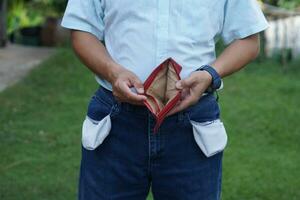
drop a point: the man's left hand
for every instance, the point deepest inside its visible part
(192, 89)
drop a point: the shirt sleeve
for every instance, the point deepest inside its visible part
(85, 15)
(242, 18)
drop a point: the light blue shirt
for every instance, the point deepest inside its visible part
(141, 34)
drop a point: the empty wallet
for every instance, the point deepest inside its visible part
(160, 90)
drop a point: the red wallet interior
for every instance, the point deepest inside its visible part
(161, 91)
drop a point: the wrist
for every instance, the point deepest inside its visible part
(206, 77)
(216, 80)
(114, 70)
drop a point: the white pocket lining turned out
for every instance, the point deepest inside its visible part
(210, 136)
(94, 132)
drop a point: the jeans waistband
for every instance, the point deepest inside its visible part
(107, 95)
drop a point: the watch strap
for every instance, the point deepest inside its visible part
(216, 79)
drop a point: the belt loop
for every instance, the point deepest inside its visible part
(107, 94)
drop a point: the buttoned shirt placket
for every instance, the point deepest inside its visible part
(162, 33)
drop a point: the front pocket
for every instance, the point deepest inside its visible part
(207, 109)
(210, 136)
(98, 121)
(94, 132)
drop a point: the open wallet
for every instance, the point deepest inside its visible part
(160, 90)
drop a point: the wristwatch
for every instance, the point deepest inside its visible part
(216, 79)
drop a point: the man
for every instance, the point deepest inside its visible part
(138, 36)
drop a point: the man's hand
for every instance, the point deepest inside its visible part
(233, 58)
(95, 56)
(122, 84)
(192, 89)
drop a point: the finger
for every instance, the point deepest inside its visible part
(122, 99)
(185, 83)
(138, 85)
(171, 112)
(184, 93)
(185, 103)
(138, 103)
(129, 95)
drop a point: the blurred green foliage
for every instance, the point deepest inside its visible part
(48, 7)
(24, 13)
(289, 4)
(21, 16)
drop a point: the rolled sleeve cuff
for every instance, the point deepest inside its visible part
(82, 27)
(251, 30)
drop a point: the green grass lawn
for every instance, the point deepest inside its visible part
(41, 117)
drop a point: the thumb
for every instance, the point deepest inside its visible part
(138, 85)
(185, 83)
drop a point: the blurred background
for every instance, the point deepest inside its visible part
(44, 91)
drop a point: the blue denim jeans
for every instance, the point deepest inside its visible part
(132, 158)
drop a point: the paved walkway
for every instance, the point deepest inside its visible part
(16, 61)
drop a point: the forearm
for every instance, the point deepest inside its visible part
(94, 55)
(237, 55)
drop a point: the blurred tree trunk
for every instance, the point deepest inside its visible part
(3, 7)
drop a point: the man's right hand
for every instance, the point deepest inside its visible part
(95, 56)
(122, 83)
